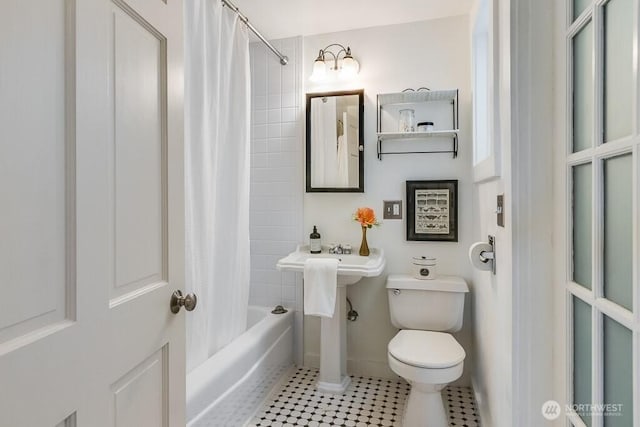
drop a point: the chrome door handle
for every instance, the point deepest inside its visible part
(189, 301)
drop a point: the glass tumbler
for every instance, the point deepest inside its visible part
(407, 121)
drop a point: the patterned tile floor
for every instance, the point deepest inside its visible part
(367, 402)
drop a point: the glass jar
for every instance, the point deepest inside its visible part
(407, 120)
(425, 127)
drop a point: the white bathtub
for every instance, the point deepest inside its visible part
(228, 388)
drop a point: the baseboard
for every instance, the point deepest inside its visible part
(365, 368)
(484, 417)
(371, 368)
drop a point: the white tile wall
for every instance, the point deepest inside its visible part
(277, 182)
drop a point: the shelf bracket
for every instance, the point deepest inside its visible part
(455, 146)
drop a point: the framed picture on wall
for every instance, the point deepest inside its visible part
(432, 210)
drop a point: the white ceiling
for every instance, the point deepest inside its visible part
(277, 19)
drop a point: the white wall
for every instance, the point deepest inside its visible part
(513, 310)
(491, 299)
(429, 53)
(491, 306)
(276, 173)
(532, 94)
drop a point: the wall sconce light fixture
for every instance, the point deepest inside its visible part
(346, 66)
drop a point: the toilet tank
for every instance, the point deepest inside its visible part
(429, 305)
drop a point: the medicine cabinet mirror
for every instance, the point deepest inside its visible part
(335, 142)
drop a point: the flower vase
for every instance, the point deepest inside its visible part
(364, 247)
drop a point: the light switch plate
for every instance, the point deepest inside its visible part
(392, 209)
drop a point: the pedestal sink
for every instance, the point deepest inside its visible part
(333, 336)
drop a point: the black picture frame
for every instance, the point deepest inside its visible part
(429, 218)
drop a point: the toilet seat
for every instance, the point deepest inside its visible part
(426, 349)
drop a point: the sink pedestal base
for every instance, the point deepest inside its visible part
(333, 376)
(334, 388)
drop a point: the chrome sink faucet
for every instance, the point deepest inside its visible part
(336, 249)
(339, 249)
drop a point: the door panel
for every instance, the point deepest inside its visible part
(582, 355)
(145, 212)
(618, 221)
(91, 179)
(617, 364)
(139, 70)
(140, 397)
(583, 88)
(581, 219)
(618, 69)
(34, 229)
(579, 6)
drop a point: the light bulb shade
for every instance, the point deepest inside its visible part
(349, 67)
(319, 70)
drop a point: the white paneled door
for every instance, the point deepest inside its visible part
(91, 213)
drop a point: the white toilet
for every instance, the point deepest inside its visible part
(423, 352)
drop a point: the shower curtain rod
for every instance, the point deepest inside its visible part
(283, 59)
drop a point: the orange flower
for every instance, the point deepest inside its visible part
(366, 217)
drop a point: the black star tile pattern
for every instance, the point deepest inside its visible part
(368, 402)
(461, 406)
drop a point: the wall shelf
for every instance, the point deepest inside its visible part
(433, 106)
(418, 135)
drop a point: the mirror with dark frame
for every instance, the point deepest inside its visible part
(335, 142)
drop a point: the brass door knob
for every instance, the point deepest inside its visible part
(189, 301)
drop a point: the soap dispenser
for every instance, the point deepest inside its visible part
(315, 245)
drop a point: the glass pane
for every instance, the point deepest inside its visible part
(582, 225)
(579, 6)
(618, 226)
(618, 68)
(583, 88)
(618, 375)
(582, 356)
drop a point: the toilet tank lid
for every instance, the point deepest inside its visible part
(440, 283)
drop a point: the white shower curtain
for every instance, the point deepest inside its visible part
(217, 153)
(342, 177)
(325, 140)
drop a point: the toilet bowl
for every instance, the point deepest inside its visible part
(422, 352)
(428, 361)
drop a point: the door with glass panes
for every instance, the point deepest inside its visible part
(601, 165)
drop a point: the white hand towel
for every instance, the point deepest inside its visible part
(320, 283)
